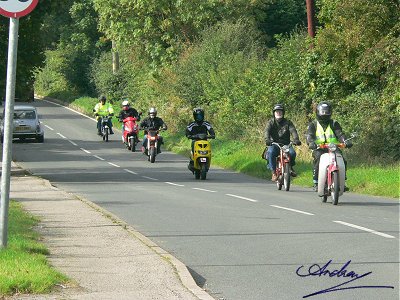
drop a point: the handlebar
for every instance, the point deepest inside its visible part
(282, 145)
(201, 136)
(327, 146)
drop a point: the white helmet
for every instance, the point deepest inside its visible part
(152, 112)
(125, 103)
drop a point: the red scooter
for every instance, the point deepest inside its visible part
(130, 133)
(283, 167)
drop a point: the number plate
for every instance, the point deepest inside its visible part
(21, 128)
(203, 159)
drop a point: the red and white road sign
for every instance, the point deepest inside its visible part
(17, 8)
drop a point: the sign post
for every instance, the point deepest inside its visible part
(13, 9)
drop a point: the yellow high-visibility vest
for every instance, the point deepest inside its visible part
(327, 136)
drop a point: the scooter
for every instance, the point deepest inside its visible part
(105, 129)
(283, 167)
(201, 156)
(332, 172)
(130, 133)
(153, 139)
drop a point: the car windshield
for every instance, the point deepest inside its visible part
(25, 114)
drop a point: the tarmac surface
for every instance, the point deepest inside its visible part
(104, 257)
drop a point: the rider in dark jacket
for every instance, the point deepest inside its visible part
(155, 123)
(324, 130)
(197, 127)
(278, 130)
(127, 111)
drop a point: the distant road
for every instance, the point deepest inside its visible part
(239, 236)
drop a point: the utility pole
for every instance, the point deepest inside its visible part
(310, 18)
(115, 58)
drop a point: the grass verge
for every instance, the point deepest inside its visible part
(23, 264)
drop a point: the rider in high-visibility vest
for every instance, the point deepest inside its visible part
(103, 109)
(324, 130)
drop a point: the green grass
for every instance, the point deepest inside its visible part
(378, 180)
(23, 263)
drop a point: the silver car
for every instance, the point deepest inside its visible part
(26, 124)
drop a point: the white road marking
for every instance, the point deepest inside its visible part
(240, 197)
(49, 127)
(199, 189)
(129, 171)
(366, 229)
(98, 157)
(151, 178)
(61, 135)
(295, 210)
(171, 183)
(114, 165)
(84, 150)
(73, 143)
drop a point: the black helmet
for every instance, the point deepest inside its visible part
(198, 114)
(323, 111)
(102, 98)
(279, 106)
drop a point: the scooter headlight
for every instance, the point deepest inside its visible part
(203, 152)
(332, 147)
(285, 149)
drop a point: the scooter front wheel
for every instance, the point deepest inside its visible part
(286, 177)
(203, 172)
(335, 188)
(152, 154)
(132, 144)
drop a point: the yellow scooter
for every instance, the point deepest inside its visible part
(201, 156)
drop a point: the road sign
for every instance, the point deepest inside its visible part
(17, 8)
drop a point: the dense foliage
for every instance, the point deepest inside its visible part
(236, 59)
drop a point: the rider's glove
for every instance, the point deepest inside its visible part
(268, 142)
(297, 142)
(348, 144)
(312, 145)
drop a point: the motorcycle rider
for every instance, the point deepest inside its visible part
(197, 127)
(155, 123)
(324, 130)
(127, 111)
(103, 109)
(278, 130)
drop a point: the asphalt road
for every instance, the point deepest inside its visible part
(239, 236)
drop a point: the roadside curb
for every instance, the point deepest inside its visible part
(181, 269)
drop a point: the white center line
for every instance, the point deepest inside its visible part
(240, 197)
(49, 127)
(98, 157)
(114, 165)
(291, 209)
(61, 135)
(84, 150)
(365, 229)
(199, 189)
(151, 178)
(171, 183)
(73, 143)
(129, 171)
